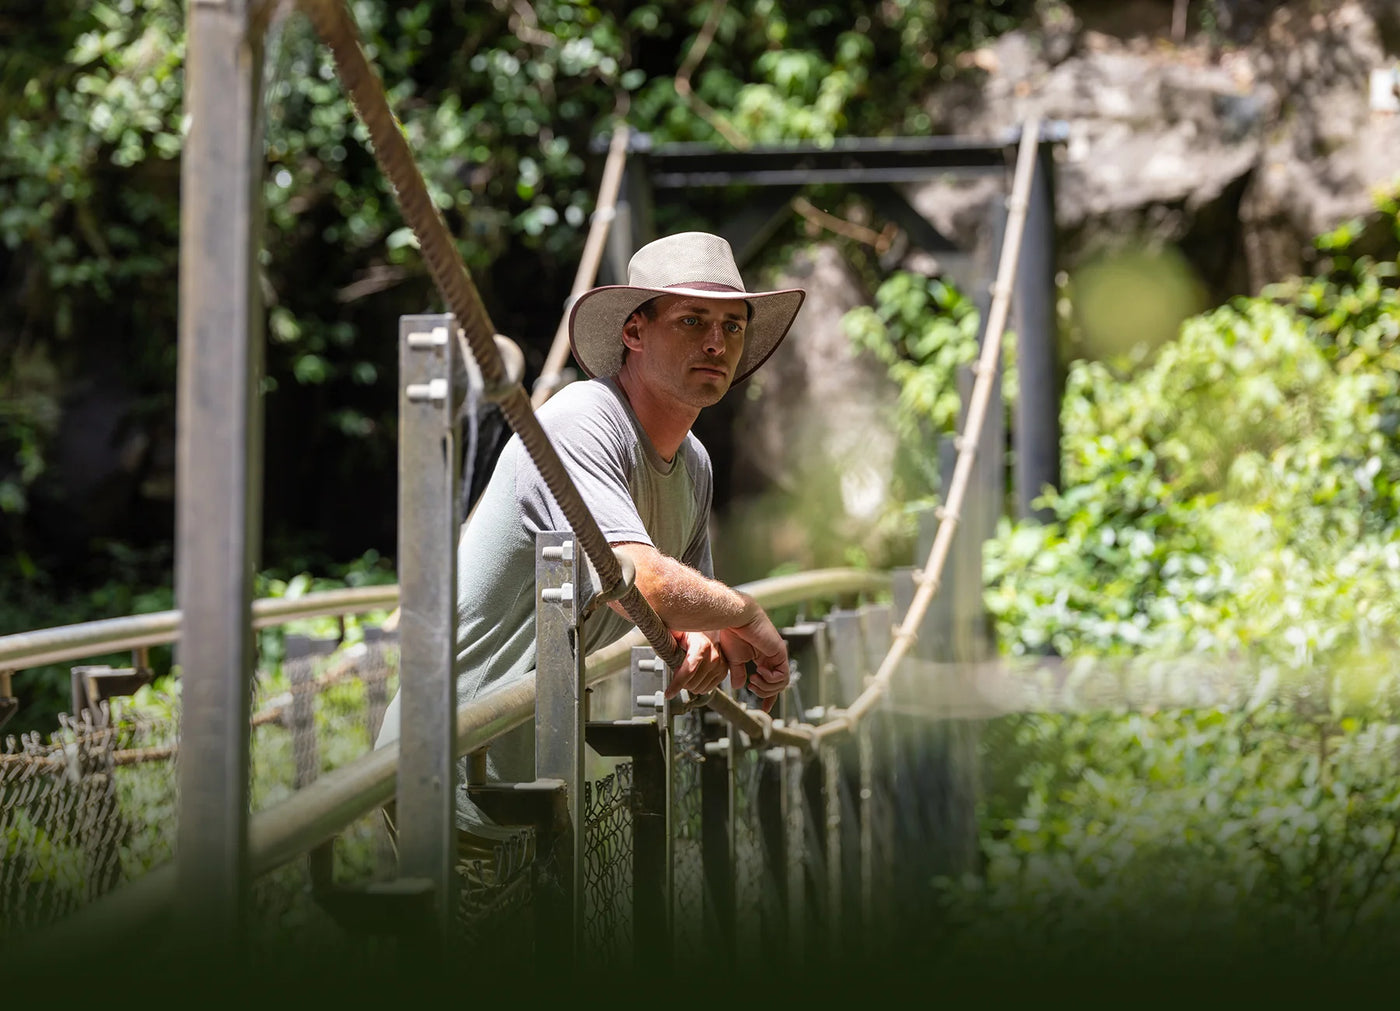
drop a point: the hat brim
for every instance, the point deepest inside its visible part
(595, 323)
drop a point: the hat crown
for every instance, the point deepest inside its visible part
(683, 260)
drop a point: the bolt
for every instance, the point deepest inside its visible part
(433, 390)
(562, 595)
(561, 552)
(426, 341)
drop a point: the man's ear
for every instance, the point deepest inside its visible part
(631, 333)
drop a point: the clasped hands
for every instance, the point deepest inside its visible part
(711, 656)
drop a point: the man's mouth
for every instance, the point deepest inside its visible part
(713, 369)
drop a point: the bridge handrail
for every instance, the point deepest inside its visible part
(930, 577)
(23, 650)
(325, 807)
(335, 24)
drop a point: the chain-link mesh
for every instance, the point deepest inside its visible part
(91, 807)
(847, 842)
(496, 899)
(757, 897)
(607, 864)
(317, 713)
(688, 872)
(96, 805)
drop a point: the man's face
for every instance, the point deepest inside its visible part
(690, 348)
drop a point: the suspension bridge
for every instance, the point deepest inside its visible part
(654, 827)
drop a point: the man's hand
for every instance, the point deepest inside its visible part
(757, 641)
(704, 667)
(687, 601)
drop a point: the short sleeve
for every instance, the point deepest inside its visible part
(697, 553)
(597, 457)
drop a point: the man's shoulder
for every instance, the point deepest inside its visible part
(586, 406)
(588, 417)
(695, 452)
(579, 396)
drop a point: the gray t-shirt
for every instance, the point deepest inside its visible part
(632, 493)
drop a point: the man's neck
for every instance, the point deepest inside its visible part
(665, 422)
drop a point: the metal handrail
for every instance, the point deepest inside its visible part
(40, 647)
(317, 812)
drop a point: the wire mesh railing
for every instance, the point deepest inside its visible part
(609, 852)
(799, 816)
(95, 806)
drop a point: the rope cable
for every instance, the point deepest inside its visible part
(930, 577)
(335, 25)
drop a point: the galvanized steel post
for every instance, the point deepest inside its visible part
(653, 813)
(218, 466)
(876, 636)
(560, 700)
(717, 833)
(854, 911)
(1037, 428)
(428, 461)
(808, 652)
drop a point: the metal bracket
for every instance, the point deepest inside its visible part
(428, 520)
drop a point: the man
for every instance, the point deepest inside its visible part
(657, 350)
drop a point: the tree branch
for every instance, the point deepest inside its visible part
(688, 66)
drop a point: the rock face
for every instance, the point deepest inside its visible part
(1236, 145)
(1239, 145)
(810, 428)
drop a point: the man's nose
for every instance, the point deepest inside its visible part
(715, 339)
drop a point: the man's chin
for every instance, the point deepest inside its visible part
(712, 390)
(713, 395)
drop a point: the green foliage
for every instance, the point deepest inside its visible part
(370, 569)
(1232, 500)
(88, 213)
(500, 103)
(925, 331)
(1205, 835)
(817, 72)
(1237, 493)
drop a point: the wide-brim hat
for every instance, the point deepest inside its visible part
(687, 263)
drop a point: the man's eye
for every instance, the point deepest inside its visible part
(690, 320)
(735, 327)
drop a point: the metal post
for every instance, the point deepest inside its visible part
(809, 653)
(633, 227)
(876, 635)
(653, 826)
(9, 705)
(799, 854)
(772, 804)
(830, 887)
(851, 874)
(559, 699)
(1037, 429)
(991, 453)
(869, 816)
(428, 461)
(717, 833)
(218, 467)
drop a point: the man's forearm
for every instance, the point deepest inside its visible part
(685, 600)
